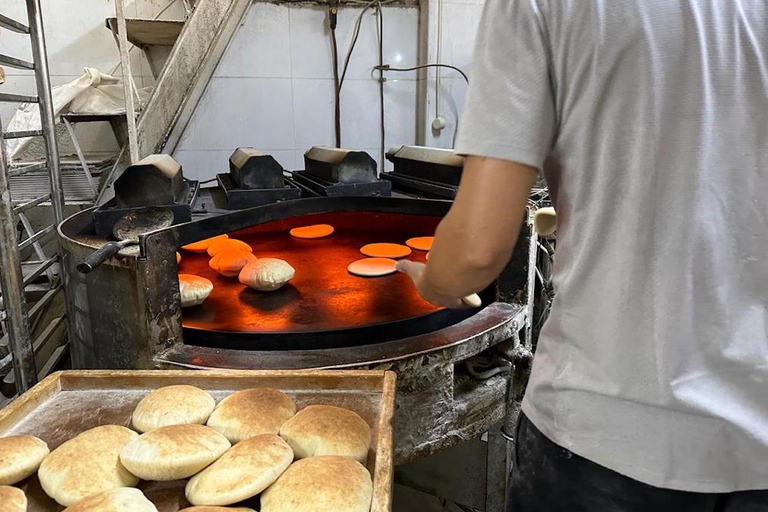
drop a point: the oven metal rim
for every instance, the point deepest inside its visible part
(494, 324)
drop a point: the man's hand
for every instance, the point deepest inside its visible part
(415, 271)
(475, 240)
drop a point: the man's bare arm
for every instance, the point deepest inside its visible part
(476, 238)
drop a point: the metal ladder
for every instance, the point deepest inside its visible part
(14, 280)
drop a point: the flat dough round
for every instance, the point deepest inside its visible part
(216, 509)
(242, 472)
(320, 484)
(20, 456)
(203, 245)
(124, 499)
(12, 499)
(87, 464)
(250, 412)
(373, 267)
(172, 405)
(230, 243)
(174, 452)
(327, 430)
(316, 231)
(420, 243)
(193, 290)
(394, 251)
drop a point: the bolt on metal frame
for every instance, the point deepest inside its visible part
(12, 279)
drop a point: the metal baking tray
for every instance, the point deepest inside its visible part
(67, 403)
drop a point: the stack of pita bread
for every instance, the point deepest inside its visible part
(243, 447)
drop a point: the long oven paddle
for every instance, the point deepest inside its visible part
(126, 232)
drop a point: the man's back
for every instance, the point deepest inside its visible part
(653, 119)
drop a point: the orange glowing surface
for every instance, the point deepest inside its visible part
(372, 267)
(393, 251)
(228, 244)
(203, 245)
(323, 295)
(316, 231)
(420, 243)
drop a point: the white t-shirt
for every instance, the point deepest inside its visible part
(652, 116)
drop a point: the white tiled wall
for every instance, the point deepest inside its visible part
(77, 37)
(273, 88)
(460, 23)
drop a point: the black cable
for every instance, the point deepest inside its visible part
(355, 35)
(389, 68)
(381, 82)
(333, 18)
(208, 181)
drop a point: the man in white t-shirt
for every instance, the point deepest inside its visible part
(649, 119)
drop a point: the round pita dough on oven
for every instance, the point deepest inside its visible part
(20, 456)
(124, 499)
(223, 245)
(87, 464)
(193, 290)
(320, 484)
(394, 251)
(12, 499)
(172, 405)
(250, 412)
(327, 430)
(203, 245)
(420, 243)
(174, 452)
(309, 232)
(230, 262)
(267, 274)
(244, 471)
(216, 509)
(372, 267)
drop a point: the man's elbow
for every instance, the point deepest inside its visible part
(486, 260)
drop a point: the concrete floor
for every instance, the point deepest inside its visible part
(410, 500)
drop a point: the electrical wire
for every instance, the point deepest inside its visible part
(423, 66)
(332, 17)
(380, 14)
(439, 55)
(353, 41)
(356, 32)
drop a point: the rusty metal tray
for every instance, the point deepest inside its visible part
(67, 403)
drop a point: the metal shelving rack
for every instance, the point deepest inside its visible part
(14, 313)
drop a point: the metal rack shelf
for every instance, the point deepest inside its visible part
(19, 277)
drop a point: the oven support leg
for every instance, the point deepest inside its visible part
(519, 354)
(497, 463)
